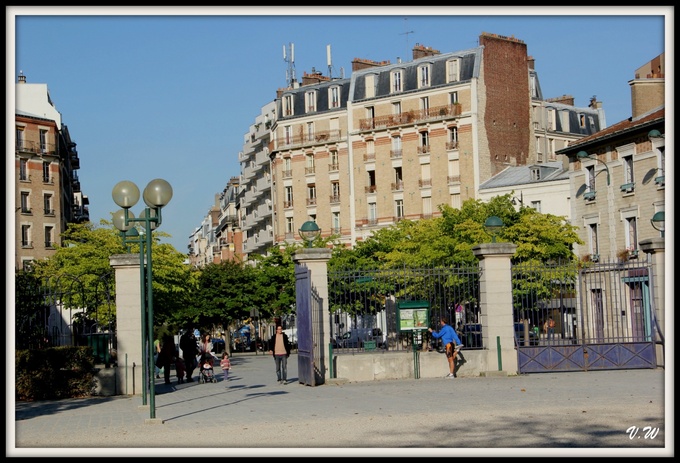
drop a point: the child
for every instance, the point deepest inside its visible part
(225, 363)
(180, 368)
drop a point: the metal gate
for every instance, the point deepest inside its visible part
(603, 316)
(303, 292)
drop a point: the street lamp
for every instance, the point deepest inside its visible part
(157, 194)
(493, 225)
(659, 222)
(515, 199)
(584, 155)
(309, 231)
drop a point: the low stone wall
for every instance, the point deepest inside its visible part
(401, 365)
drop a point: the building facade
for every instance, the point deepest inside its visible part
(618, 175)
(47, 187)
(395, 141)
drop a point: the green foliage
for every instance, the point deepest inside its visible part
(30, 311)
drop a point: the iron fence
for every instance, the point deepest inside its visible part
(364, 306)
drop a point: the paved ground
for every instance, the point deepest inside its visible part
(253, 415)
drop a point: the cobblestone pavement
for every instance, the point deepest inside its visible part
(604, 412)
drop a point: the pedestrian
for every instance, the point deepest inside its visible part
(279, 347)
(187, 342)
(225, 364)
(549, 328)
(167, 356)
(206, 349)
(451, 343)
(156, 351)
(180, 368)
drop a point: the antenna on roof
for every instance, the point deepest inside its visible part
(329, 62)
(406, 34)
(290, 59)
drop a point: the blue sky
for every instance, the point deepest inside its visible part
(162, 92)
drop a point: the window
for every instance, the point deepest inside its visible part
(47, 200)
(452, 71)
(661, 165)
(290, 226)
(396, 108)
(20, 138)
(288, 195)
(533, 87)
(424, 75)
(335, 163)
(43, 141)
(23, 169)
(310, 100)
(309, 163)
(424, 142)
(46, 172)
(398, 179)
(335, 191)
(628, 169)
(311, 194)
(631, 233)
(399, 209)
(590, 175)
(48, 237)
(288, 135)
(310, 131)
(425, 176)
(425, 104)
(581, 120)
(287, 170)
(288, 105)
(427, 207)
(370, 85)
(453, 98)
(371, 181)
(335, 97)
(395, 152)
(26, 236)
(536, 205)
(25, 206)
(453, 138)
(372, 213)
(551, 119)
(370, 149)
(396, 81)
(335, 220)
(592, 238)
(535, 174)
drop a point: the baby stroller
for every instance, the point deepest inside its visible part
(207, 375)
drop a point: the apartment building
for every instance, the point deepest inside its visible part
(254, 201)
(618, 174)
(47, 188)
(395, 141)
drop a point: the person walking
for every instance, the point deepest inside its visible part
(451, 343)
(187, 342)
(156, 352)
(549, 328)
(225, 364)
(167, 355)
(279, 347)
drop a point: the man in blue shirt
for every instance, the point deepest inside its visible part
(452, 343)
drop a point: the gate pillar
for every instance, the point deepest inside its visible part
(656, 248)
(129, 379)
(495, 303)
(316, 261)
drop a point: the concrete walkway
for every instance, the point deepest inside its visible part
(541, 414)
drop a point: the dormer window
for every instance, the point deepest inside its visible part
(396, 81)
(424, 76)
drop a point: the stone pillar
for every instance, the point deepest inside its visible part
(129, 372)
(316, 260)
(656, 248)
(496, 315)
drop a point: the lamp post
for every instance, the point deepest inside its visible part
(157, 194)
(493, 225)
(309, 231)
(659, 222)
(584, 155)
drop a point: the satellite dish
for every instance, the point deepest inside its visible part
(581, 190)
(649, 176)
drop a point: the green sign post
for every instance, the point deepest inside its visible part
(414, 316)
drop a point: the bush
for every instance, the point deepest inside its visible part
(54, 373)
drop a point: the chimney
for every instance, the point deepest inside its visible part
(421, 51)
(531, 62)
(358, 64)
(22, 77)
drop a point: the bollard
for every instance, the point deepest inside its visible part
(500, 357)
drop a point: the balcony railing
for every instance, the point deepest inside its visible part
(397, 186)
(335, 198)
(425, 183)
(451, 179)
(311, 201)
(333, 167)
(287, 204)
(395, 154)
(325, 136)
(369, 157)
(370, 189)
(410, 117)
(451, 145)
